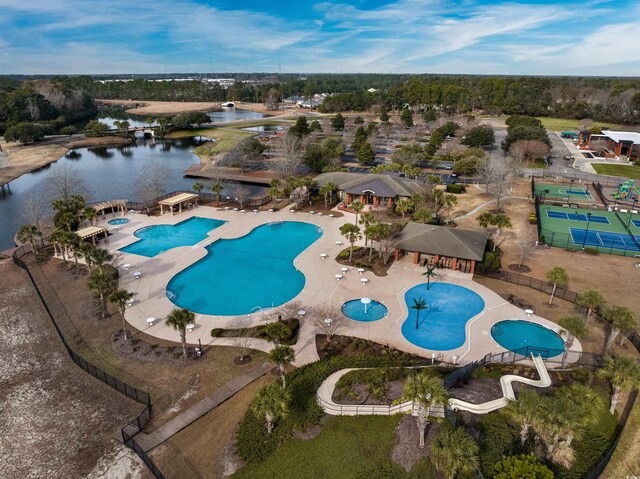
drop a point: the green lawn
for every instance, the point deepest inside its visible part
(568, 124)
(625, 461)
(347, 448)
(626, 171)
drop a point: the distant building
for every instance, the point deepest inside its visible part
(372, 90)
(616, 143)
(371, 189)
(294, 100)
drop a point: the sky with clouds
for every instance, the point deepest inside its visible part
(539, 37)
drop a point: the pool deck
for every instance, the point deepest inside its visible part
(150, 300)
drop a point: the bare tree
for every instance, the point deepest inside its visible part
(499, 176)
(64, 182)
(244, 153)
(527, 151)
(288, 310)
(288, 155)
(33, 212)
(387, 247)
(272, 99)
(523, 249)
(328, 319)
(244, 339)
(153, 182)
(241, 193)
(599, 145)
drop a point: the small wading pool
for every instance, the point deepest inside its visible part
(118, 221)
(355, 309)
(527, 337)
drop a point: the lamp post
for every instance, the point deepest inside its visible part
(631, 212)
(569, 190)
(587, 230)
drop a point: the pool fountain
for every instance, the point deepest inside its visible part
(365, 309)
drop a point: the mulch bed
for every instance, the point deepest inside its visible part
(361, 259)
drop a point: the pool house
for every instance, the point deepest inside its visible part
(376, 190)
(450, 248)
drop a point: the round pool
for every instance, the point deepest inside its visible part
(118, 221)
(526, 337)
(355, 310)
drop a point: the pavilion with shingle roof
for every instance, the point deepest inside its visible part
(451, 248)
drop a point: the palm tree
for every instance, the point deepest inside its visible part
(498, 220)
(28, 234)
(282, 355)
(424, 391)
(525, 411)
(272, 403)
(352, 233)
(590, 299)
(327, 192)
(198, 187)
(120, 297)
(449, 201)
(100, 257)
(86, 250)
(430, 273)
(621, 319)
(622, 372)
(366, 221)
(57, 238)
(419, 304)
(558, 276)
(178, 319)
(455, 453)
(276, 332)
(357, 207)
(404, 206)
(217, 188)
(274, 190)
(101, 285)
(572, 327)
(372, 232)
(89, 213)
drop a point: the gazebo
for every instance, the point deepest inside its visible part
(91, 232)
(119, 205)
(179, 199)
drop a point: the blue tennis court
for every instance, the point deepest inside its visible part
(561, 215)
(586, 194)
(604, 239)
(636, 223)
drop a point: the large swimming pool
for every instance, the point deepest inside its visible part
(242, 275)
(441, 326)
(159, 238)
(527, 337)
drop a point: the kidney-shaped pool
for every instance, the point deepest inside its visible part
(242, 275)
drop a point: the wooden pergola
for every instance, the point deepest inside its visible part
(91, 232)
(179, 199)
(120, 205)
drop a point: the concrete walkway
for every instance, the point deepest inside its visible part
(164, 432)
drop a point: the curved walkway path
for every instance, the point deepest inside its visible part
(324, 396)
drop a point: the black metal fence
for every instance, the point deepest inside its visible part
(577, 176)
(59, 318)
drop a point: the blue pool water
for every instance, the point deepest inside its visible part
(515, 335)
(158, 238)
(242, 275)
(118, 221)
(442, 325)
(355, 310)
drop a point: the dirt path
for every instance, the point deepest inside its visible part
(57, 421)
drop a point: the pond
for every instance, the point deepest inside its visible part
(112, 173)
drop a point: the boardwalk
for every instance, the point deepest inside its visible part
(230, 174)
(164, 432)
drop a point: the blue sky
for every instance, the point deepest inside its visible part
(413, 36)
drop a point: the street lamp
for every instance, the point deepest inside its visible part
(631, 212)
(587, 230)
(569, 190)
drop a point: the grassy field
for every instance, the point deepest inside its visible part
(347, 448)
(626, 171)
(568, 124)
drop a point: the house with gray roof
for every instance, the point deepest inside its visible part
(371, 189)
(452, 248)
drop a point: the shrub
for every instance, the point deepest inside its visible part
(533, 220)
(583, 376)
(498, 439)
(516, 467)
(456, 189)
(590, 250)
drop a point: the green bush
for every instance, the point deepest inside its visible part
(490, 261)
(518, 467)
(583, 376)
(344, 254)
(292, 325)
(590, 250)
(498, 438)
(457, 189)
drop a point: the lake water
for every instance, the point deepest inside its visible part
(228, 115)
(108, 174)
